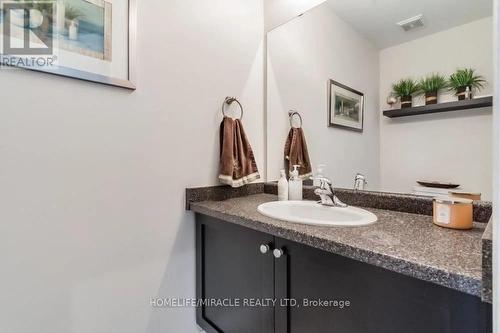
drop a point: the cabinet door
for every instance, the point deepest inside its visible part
(381, 301)
(230, 267)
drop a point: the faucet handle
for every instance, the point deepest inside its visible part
(324, 183)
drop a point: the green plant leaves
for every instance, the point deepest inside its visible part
(466, 77)
(432, 83)
(405, 87)
(463, 77)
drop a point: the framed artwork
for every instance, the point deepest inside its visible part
(92, 40)
(345, 107)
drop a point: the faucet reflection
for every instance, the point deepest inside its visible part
(326, 193)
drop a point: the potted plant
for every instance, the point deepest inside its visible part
(72, 16)
(465, 78)
(405, 89)
(430, 87)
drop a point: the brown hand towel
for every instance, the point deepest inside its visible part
(237, 162)
(296, 153)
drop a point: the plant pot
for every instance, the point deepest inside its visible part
(461, 93)
(431, 97)
(406, 102)
(73, 30)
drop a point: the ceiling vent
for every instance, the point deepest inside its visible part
(412, 23)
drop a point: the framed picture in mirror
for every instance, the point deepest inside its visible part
(346, 107)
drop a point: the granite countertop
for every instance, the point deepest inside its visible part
(405, 243)
(487, 263)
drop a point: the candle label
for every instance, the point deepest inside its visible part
(443, 214)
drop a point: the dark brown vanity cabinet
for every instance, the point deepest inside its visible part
(315, 291)
(230, 268)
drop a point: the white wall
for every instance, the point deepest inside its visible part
(453, 147)
(280, 11)
(92, 178)
(302, 56)
(496, 169)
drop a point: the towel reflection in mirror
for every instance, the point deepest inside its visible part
(296, 152)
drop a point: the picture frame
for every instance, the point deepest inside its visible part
(92, 40)
(346, 107)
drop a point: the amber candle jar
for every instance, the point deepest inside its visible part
(454, 213)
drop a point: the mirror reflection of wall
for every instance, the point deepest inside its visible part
(336, 66)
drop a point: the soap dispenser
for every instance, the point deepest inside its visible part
(295, 184)
(283, 187)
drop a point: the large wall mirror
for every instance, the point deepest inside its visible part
(343, 63)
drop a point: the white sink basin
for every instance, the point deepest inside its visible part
(310, 212)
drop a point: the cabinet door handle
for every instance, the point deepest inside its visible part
(264, 248)
(278, 253)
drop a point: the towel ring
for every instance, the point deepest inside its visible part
(292, 113)
(229, 101)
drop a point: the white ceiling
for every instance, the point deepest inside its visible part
(376, 19)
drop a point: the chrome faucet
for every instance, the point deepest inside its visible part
(360, 182)
(326, 193)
